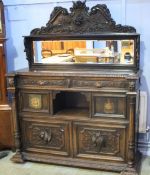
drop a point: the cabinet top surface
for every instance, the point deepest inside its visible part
(100, 73)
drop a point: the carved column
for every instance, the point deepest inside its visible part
(15, 121)
(131, 137)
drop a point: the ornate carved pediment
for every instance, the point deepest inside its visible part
(81, 19)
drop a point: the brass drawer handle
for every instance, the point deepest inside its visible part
(99, 85)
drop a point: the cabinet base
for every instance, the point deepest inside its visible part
(17, 158)
(74, 162)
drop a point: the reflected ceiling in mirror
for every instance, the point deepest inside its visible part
(84, 51)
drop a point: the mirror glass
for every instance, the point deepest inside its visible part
(84, 51)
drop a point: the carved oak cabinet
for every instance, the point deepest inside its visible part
(77, 104)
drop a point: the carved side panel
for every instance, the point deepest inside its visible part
(45, 137)
(99, 142)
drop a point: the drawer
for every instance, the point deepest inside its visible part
(99, 83)
(47, 137)
(39, 82)
(99, 141)
(109, 105)
(34, 101)
(72, 82)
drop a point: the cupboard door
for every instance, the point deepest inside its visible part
(34, 101)
(49, 137)
(99, 141)
(109, 105)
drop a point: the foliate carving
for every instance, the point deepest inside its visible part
(99, 141)
(47, 136)
(81, 20)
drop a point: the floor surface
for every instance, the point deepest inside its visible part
(30, 168)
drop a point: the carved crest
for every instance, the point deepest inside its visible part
(81, 19)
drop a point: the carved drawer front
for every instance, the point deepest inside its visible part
(48, 137)
(98, 84)
(109, 105)
(31, 101)
(99, 141)
(40, 82)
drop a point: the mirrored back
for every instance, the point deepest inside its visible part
(84, 51)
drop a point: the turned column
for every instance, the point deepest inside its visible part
(131, 135)
(15, 120)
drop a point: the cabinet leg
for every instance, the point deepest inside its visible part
(128, 173)
(18, 158)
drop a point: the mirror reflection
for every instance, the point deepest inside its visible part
(84, 51)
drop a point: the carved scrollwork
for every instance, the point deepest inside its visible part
(81, 20)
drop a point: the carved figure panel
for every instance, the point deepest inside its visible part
(99, 141)
(50, 136)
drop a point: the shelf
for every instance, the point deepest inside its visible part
(73, 112)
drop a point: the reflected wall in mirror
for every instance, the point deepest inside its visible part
(84, 51)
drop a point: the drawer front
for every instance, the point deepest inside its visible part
(99, 84)
(39, 82)
(72, 82)
(109, 105)
(34, 101)
(51, 137)
(102, 142)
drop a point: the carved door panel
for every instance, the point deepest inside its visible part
(99, 141)
(49, 137)
(109, 105)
